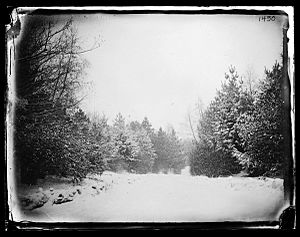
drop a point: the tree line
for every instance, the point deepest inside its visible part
(139, 148)
(242, 128)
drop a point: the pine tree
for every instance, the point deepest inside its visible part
(176, 154)
(218, 130)
(169, 150)
(146, 155)
(262, 129)
(147, 126)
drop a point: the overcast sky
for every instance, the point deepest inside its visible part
(159, 65)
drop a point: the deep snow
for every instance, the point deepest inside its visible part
(162, 198)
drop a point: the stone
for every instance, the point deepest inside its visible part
(61, 200)
(35, 201)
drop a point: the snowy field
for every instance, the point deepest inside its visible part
(160, 198)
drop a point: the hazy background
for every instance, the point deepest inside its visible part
(159, 65)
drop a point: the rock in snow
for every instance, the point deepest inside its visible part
(34, 201)
(62, 199)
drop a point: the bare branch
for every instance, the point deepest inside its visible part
(190, 122)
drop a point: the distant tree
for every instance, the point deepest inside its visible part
(124, 147)
(147, 126)
(160, 146)
(250, 81)
(177, 160)
(169, 150)
(135, 126)
(145, 155)
(119, 122)
(133, 148)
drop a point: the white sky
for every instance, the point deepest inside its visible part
(159, 65)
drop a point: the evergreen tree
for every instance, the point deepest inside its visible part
(135, 126)
(132, 147)
(177, 159)
(147, 126)
(218, 130)
(123, 144)
(119, 122)
(169, 150)
(261, 129)
(145, 155)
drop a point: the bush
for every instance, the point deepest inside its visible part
(204, 160)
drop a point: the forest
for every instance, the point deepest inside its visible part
(240, 130)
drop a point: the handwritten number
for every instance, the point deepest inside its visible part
(266, 18)
(262, 18)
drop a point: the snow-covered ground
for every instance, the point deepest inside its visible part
(162, 198)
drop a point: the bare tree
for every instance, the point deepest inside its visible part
(49, 75)
(191, 126)
(250, 79)
(200, 107)
(49, 63)
(198, 111)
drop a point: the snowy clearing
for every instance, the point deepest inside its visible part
(160, 198)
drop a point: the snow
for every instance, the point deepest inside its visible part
(164, 198)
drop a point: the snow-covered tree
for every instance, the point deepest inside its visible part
(145, 155)
(132, 147)
(218, 131)
(262, 127)
(169, 150)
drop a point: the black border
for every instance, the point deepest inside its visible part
(227, 225)
(140, 11)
